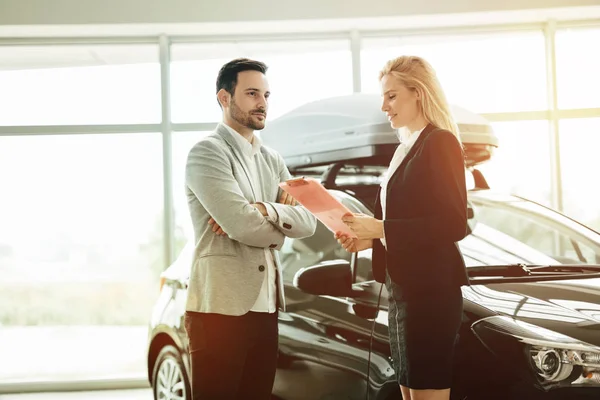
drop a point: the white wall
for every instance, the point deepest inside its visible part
(45, 12)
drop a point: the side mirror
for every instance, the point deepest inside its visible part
(480, 181)
(329, 278)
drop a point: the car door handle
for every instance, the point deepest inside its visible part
(365, 311)
(340, 337)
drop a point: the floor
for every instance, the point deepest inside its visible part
(290, 384)
(60, 353)
(131, 394)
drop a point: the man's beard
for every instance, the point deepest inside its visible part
(245, 119)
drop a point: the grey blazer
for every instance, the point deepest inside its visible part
(227, 271)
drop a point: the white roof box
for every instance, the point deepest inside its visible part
(354, 127)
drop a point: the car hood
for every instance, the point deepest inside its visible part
(570, 307)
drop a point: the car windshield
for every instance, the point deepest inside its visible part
(513, 231)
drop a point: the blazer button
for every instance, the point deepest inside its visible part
(272, 246)
(261, 268)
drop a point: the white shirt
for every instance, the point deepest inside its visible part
(267, 298)
(406, 143)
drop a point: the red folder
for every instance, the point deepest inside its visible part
(315, 198)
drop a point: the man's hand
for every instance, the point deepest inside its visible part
(219, 231)
(352, 245)
(287, 199)
(216, 228)
(261, 207)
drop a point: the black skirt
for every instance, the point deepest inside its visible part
(423, 331)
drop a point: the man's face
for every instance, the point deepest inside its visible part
(250, 102)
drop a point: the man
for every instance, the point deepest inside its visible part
(240, 216)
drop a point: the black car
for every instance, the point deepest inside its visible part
(531, 322)
(531, 325)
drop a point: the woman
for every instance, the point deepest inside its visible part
(420, 214)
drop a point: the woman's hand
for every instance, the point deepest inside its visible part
(352, 245)
(287, 199)
(364, 226)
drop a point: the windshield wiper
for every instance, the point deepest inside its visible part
(519, 270)
(565, 268)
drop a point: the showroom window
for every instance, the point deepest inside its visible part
(579, 144)
(521, 163)
(182, 144)
(79, 85)
(483, 73)
(299, 72)
(577, 66)
(81, 250)
(82, 239)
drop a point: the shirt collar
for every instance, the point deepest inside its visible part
(409, 139)
(249, 149)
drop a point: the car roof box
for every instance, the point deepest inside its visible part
(353, 127)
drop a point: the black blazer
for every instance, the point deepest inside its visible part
(426, 214)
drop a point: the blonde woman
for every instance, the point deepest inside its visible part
(420, 214)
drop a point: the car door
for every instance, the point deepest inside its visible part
(301, 373)
(345, 342)
(343, 328)
(299, 325)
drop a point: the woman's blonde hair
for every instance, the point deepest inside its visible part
(417, 74)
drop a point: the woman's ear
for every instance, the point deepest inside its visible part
(418, 94)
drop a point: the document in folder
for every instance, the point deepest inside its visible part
(315, 198)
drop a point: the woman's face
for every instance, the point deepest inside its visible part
(399, 102)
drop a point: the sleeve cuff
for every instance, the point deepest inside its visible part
(273, 216)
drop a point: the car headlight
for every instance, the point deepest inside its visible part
(557, 364)
(556, 360)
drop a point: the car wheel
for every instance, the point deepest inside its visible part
(169, 379)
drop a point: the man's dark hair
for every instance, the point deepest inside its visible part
(228, 74)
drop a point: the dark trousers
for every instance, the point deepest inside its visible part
(232, 357)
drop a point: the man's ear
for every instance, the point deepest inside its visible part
(224, 97)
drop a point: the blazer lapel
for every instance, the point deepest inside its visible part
(428, 129)
(377, 206)
(226, 135)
